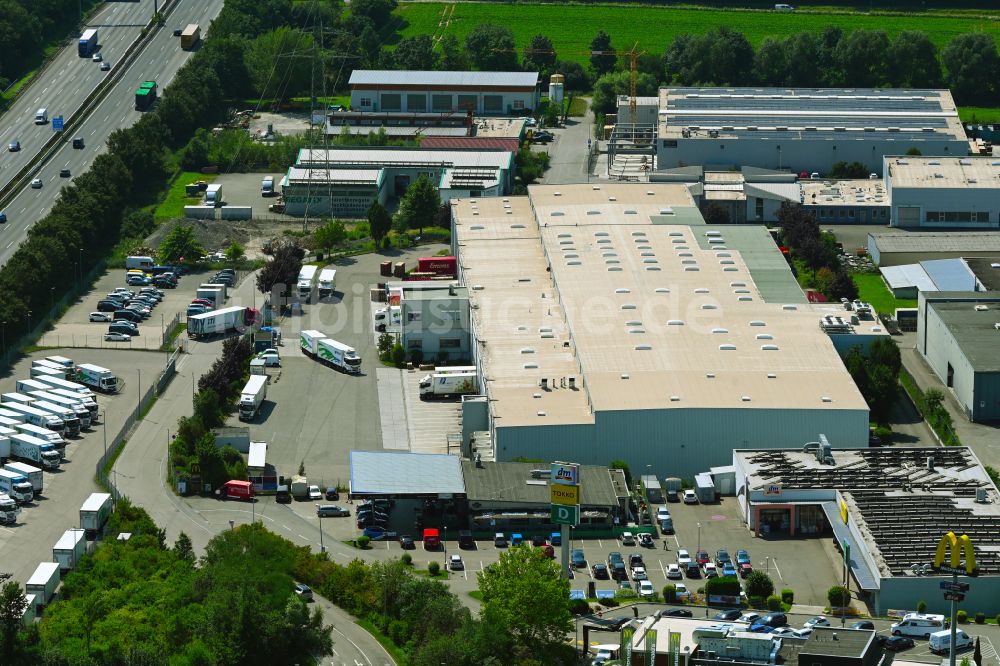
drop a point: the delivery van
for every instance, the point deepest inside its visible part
(940, 640)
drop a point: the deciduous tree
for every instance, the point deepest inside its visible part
(604, 62)
(491, 48)
(972, 67)
(539, 55)
(180, 243)
(418, 206)
(416, 53)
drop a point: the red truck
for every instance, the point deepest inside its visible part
(440, 266)
(432, 539)
(241, 490)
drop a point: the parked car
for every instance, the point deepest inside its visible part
(783, 632)
(600, 571)
(628, 539)
(577, 559)
(270, 357)
(108, 305)
(722, 557)
(117, 337)
(541, 136)
(100, 316)
(538, 541)
(635, 560)
(775, 620)
(710, 570)
(817, 621)
(742, 557)
(646, 589)
(864, 624)
(661, 513)
(406, 542)
(615, 556)
(683, 557)
(745, 570)
(646, 540)
(690, 497)
(702, 557)
(202, 301)
(639, 573)
(692, 570)
(677, 612)
(728, 569)
(332, 511)
(674, 572)
(618, 571)
(303, 591)
(375, 533)
(673, 496)
(749, 618)
(455, 563)
(895, 643)
(499, 540)
(728, 615)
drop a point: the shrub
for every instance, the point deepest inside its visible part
(760, 603)
(434, 568)
(724, 585)
(579, 607)
(962, 616)
(407, 559)
(788, 595)
(398, 355)
(838, 596)
(980, 618)
(921, 606)
(363, 541)
(759, 584)
(610, 603)
(669, 594)
(997, 618)
(774, 603)
(626, 594)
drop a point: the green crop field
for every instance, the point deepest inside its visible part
(571, 27)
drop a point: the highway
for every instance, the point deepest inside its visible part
(159, 61)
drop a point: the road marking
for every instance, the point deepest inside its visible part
(356, 647)
(93, 132)
(10, 243)
(45, 90)
(107, 117)
(775, 563)
(303, 538)
(677, 541)
(24, 209)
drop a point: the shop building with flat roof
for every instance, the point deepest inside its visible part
(950, 192)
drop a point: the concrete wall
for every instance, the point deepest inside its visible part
(492, 103)
(200, 212)
(681, 442)
(236, 212)
(796, 154)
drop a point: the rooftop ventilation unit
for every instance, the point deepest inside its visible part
(527, 350)
(701, 290)
(643, 347)
(675, 322)
(720, 330)
(661, 290)
(629, 211)
(769, 347)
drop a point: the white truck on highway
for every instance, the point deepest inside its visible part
(327, 282)
(252, 397)
(30, 472)
(34, 450)
(69, 549)
(9, 510)
(217, 322)
(97, 377)
(95, 512)
(70, 420)
(306, 281)
(36, 416)
(339, 355)
(17, 486)
(448, 385)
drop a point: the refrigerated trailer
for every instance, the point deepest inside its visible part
(95, 512)
(69, 549)
(43, 583)
(221, 321)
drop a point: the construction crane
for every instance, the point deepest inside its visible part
(633, 58)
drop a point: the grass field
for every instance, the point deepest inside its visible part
(871, 289)
(173, 206)
(979, 114)
(571, 27)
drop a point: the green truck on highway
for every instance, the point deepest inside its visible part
(145, 95)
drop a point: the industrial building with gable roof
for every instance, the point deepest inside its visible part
(482, 93)
(619, 326)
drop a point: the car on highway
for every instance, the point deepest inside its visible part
(14, 146)
(36, 184)
(178, 31)
(600, 571)
(646, 589)
(64, 173)
(683, 558)
(97, 57)
(455, 563)
(690, 497)
(3, 217)
(78, 142)
(117, 337)
(105, 66)
(674, 571)
(100, 316)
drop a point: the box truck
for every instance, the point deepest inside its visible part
(385, 316)
(89, 403)
(213, 195)
(267, 186)
(62, 370)
(216, 285)
(139, 262)
(43, 583)
(95, 512)
(11, 415)
(327, 282)
(9, 510)
(70, 420)
(221, 321)
(306, 281)
(17, 486)
(44, 434)
(61, 360)
(252, 397)
(96, 377)
(309, 341)
(300, 487)
(190, 36)
(35, 450)
(69, 549)
(87, 44)
(242, 490)
(30, 472)
(339, 355)
(211, 294)
(55, 382)
(72, 404)
(36, 416)
(14, 398)
(448, 385)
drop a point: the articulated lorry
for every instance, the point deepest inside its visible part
(57, 370)
(339, 356)
(221, 321)
(69, 549)
(252, 397)
(327, 282)
(309, 341)
(95, 512)
(448, 385)
(72, 404)
(30, 472)
(9, 510)
(17, 486)
(97, 377)
(36, 416)
(34, 450)
(41, 371)
(306, 282)
(71, 421)
(88, 43)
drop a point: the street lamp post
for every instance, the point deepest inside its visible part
(699, 538)
(445, 544)
(322, 548)
(4, 337)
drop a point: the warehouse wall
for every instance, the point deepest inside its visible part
(945, 199)
(941, 349)
(903, 593)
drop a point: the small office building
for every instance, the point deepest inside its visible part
(434, 319)
(958, 335)
(950, 192)
(333, 192)
(482, 93)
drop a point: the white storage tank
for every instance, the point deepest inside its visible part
(557, 86)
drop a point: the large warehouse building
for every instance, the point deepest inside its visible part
(802, 129)
(959, 336)
(889, 508)
(893, 248)
(483, 93)
(944, 192)
(619, 326)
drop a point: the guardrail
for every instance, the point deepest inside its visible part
(45, 153)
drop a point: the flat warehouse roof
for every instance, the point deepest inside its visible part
(403, 473)
(317, 176)
(972, 242)
(411, 78)
(809, 113)
(974, 325)
(975, 172)
(600, 286)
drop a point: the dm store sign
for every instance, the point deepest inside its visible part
(565, 474)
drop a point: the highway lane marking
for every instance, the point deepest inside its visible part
(10, 243)
(107, 117)
(356, 647)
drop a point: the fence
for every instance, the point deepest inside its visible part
(115, 444)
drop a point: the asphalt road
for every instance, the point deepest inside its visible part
(159, 61)
(67, 81)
